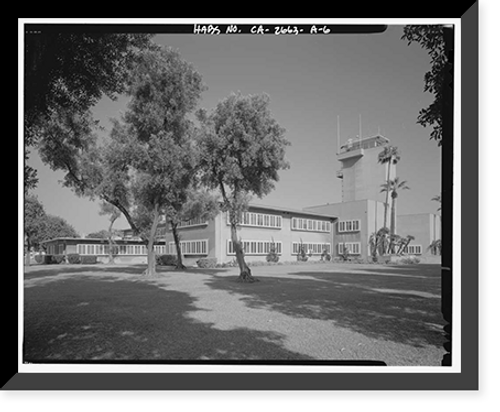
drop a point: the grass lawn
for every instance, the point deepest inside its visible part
(304, 312)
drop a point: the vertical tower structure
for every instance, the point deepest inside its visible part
(361, 172)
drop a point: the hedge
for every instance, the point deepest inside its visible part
(207, 263)
(166, 260)
(74, 258)
(88, 260)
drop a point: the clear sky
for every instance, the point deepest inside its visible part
(311, 80)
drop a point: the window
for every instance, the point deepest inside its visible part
(193, 222)
(255, 247)
(315, 248)
(310, 225)
(413, 250)
(349, 226)
(190, 247)
(354, 248)
(258, 220)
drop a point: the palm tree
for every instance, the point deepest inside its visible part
(437, 199)
(404, 243)
(389, 155)
(393, 186)
(435, 247)
(378, 242)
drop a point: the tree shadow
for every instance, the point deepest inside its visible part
(87, 320)
(399, 309)
(41, 271)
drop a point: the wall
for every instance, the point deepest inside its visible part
(425, 227)
(364, 175)
(354, 210)
(198, 232)
(285, 235)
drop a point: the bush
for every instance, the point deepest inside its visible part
(74, 258)
(40, 259)
(207, 263)
(58, 259)
(88, 260)
(410, 260)
(272, 256)
(302, 255)
(166, 260)
(326, 256)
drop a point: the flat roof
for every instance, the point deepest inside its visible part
(290, 210)
(91, 239)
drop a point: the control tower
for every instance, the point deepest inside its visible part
(361, 173)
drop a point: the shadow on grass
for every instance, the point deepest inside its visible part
(400, 309)
(87, 319)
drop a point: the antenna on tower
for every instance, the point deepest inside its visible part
(360, 135)
(338, 134)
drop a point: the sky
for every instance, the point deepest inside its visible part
(312, 80)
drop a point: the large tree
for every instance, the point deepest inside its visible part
(242, 151)
(438, 79)
(65, 74)
(149, 156)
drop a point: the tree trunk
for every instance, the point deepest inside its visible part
(28, 247)
(111, 258)
(151, 269)
(386, 204)
(177, 241)
(245, 272)
(393, 223)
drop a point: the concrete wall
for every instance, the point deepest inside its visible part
(425, 227)
(285, 235)
(363, 175)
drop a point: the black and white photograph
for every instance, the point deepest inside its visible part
(240, 194)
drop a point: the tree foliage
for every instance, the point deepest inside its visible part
(34, 217)
(149, 158)
(431, 38)
(242, 149)
(65, 74)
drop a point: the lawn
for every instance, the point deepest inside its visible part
(295, 313)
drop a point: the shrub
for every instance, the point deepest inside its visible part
(272, 256)
(88, 260)
(232, 264)
(57, 259)
(207, 263)
(325, 255)
(302, 255)
(410, 260)
(166, 260)
(40, 259)
(74, 258)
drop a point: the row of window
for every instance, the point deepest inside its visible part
(193, 222)
(311, 248)
(310, 225)
(137, 250)
(200, 247)
(349, 226)
(258, 220)
(190, 247)
(255, 247)
(55, 250)
(413, 250)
